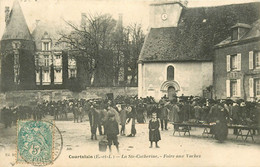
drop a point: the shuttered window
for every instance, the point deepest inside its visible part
(257, 59)
(257, 86)
(254, 60)
(251, 60)
(228, 88)
(233, 88)
(228, 63)
(251, 87)
(239, 61)
(234, 62)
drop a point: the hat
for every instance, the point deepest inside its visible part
(111, 115)
(243, 104)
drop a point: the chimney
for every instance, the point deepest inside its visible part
(7, 14)
(83, 19)
(120, 19)
(37, 22)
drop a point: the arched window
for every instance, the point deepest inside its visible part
(170, 73)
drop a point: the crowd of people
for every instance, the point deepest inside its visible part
(126, 109)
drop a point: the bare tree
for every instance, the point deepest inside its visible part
(103, 49)
(92, 41)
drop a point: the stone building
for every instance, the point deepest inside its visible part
(53, 65)
(177, 55)
(237, 63)
(33, 60)
(17, 52)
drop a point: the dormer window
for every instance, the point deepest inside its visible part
(46, 42)
(234, 34)
(238, 30)
(46, 46)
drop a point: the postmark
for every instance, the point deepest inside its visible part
(38, 142)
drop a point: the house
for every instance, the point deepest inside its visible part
(33, 60)
(177, 55)
(53, 66)
(237, 63)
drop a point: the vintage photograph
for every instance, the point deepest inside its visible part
(149, 83)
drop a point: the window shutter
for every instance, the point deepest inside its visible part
(228, 88)
(251, 60)
(239, 87)
(239, 61)
(251, 87)
(228, 62)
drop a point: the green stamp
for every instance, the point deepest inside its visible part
(35, 142)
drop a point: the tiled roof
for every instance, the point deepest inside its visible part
(199, 30)
(253, 32)
(17, 27)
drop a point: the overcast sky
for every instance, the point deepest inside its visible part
(134, 11)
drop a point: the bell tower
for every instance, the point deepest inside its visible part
(166, 13)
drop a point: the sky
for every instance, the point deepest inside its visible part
(134, 11)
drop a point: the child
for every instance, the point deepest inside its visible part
(154, 133)
(112, 130)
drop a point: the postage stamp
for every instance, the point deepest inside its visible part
(35, 142)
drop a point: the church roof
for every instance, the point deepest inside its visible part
(199, 29)
(16, 27)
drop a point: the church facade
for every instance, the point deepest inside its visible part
(178, 52)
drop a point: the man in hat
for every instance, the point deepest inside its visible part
(235, 116)
(163, 116)
(93, 120)
(112, 130)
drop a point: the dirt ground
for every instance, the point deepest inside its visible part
(194, 150)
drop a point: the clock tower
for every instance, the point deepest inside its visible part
(166, 14)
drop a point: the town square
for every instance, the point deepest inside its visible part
(120, 83)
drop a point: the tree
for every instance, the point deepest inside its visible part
(92, 44)
(103, 48)
(132, 48)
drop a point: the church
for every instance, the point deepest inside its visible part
(177, 55)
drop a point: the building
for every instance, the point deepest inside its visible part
(177, 55)
(53, 66)
(33, 60)
(17, 52)
(237, 63)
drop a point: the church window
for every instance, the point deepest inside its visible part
(170, 73)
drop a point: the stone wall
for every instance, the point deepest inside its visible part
(30, 97)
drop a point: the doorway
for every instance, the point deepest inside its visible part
(171, 92)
